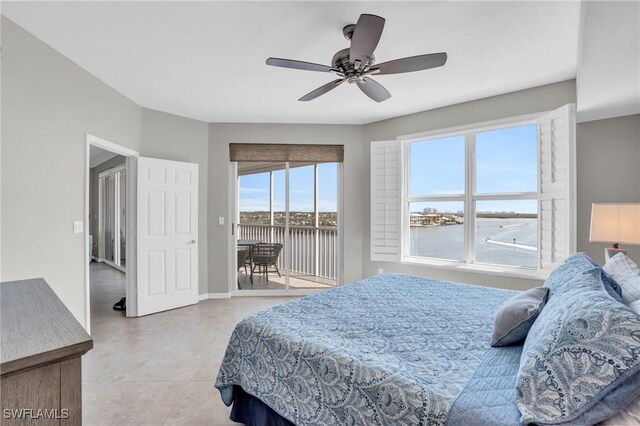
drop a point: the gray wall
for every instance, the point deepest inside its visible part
(529, 101)
(48, 103)
(172, 137)
(94, 173)
(608, 170)
(355, 202)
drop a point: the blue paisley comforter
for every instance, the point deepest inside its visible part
(389, 350)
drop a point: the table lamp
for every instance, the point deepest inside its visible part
(615, 223)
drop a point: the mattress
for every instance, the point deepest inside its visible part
(388, 350)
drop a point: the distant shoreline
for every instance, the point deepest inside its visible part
(507, 215)
(330, 219)
(488, 215)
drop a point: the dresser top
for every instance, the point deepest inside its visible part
(36, 327)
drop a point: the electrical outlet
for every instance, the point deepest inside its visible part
(221, 220)
(380, 271)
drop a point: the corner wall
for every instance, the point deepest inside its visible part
(48, 104)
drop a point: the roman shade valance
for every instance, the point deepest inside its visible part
(286, 152)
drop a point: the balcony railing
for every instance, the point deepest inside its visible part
(313, 249)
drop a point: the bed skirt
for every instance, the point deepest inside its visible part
(251, 411)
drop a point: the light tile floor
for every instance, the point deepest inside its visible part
(158, 369)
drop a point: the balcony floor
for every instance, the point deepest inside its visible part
(296, 281)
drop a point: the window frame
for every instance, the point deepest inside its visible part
(469, 198)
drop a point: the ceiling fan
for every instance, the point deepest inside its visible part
(357, 63)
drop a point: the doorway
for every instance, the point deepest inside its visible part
(287, 227)
(109, 208)
(145, 211)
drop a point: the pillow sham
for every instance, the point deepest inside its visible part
(575, 265)
(627, 274)
(581, 359)
(516, 316)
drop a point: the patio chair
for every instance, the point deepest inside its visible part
(247, 260)
(243, 255)
(266, 255)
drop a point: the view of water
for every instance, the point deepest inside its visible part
(447, 242)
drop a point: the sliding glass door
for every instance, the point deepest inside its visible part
(287, 233)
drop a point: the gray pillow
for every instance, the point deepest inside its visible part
(516, 316)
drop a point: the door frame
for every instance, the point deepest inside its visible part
(130, 255)
(234, 215)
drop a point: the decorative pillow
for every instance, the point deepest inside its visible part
(516, 316)
(575, 265)
(627, 274)
(581, 359)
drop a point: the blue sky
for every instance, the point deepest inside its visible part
(254, 189)
(506, 162)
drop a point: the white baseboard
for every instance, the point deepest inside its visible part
(278, 293)
(206, 296)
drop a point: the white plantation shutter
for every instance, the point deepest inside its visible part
(385, 201)
(557, 186)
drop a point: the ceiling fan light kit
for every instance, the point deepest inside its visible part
(355, 64)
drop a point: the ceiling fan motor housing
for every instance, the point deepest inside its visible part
(341, 62)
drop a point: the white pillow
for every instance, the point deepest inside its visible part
(627, 274)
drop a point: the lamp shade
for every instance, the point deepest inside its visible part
(615, 223)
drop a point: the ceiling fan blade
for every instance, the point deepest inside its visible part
(298, 65)
(373, 89)
(321, 90)
(365, 37)
(413, 63)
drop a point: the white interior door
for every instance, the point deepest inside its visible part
(167, 248)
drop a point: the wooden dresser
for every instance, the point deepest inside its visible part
(41, 344)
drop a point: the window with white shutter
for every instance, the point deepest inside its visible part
(478, 196)
(557, 187)
(385, 201)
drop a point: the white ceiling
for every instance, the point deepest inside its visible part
(205, 60)
(609, 68)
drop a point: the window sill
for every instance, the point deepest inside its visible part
(503, 271)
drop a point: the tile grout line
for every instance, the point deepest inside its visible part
(176, 403)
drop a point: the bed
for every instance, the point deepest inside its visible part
(404, 350)
(389, 350)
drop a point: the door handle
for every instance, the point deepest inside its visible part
(192, 242)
